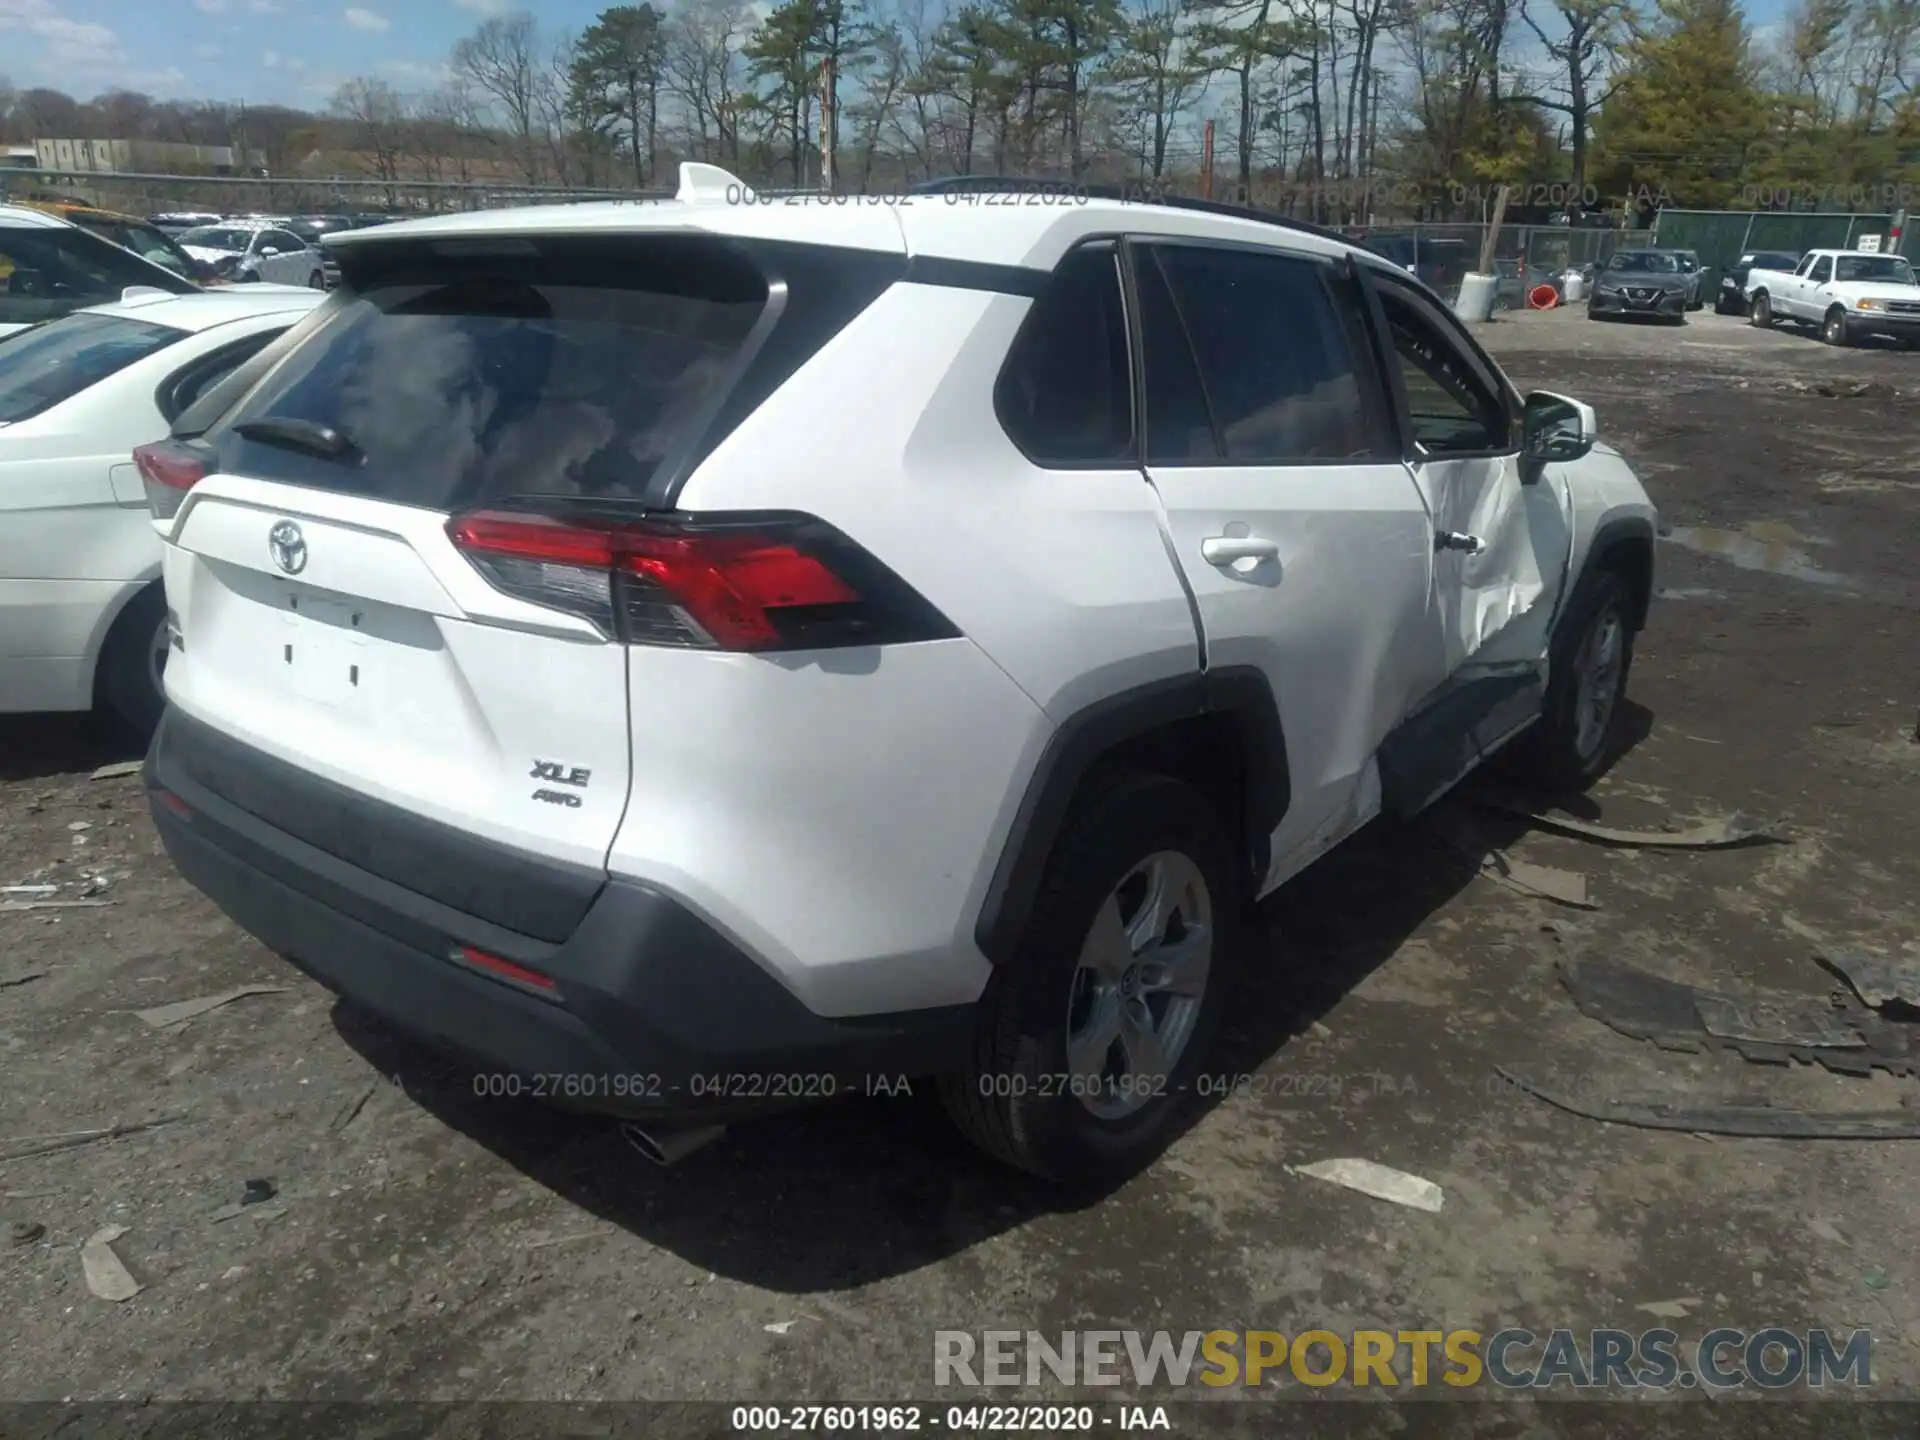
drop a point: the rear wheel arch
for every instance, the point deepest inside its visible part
(1218, 732)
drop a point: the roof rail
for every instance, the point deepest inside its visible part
(1130, 193)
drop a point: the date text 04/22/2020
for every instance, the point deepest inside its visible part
(956, 1419)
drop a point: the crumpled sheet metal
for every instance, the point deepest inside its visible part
(1878, 980)
(1765, 1027)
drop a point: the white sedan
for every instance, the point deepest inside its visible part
(82, 616)
(243, 250)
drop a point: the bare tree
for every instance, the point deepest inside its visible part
(1583, 47)
(378, 118)
(501, 61)
(705, 72)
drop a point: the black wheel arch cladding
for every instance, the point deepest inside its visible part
(1111, 728)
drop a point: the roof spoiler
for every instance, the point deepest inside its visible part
(144, 292)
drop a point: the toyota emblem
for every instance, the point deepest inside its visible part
(288, 547)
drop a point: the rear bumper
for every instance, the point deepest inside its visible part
(650, 1009)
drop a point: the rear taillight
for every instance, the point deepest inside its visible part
(742, 583)
(168, 469)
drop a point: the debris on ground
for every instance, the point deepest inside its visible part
(19, 977)
(117, 770)
(779, 1327)
(106, 1276)
(29, 1145)
(253, 1212)
(165, 1017)
(1764, 1122)
(24, 1232)
(16, 906)
(1875, 1279)
(1877, 979)
(78, 825)
(351, 1110)
(257, 1192)
(1671, 1309)
(1827, 1230)
(24, 892)
(1728, 830)
(1766, 1027)
(1541, 881)
(1382, 1182)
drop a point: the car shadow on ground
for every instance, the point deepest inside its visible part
(839, 1195)
(37, 747)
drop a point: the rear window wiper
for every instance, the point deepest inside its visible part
(308, 436)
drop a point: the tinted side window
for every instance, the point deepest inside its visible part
(286, 240)
(1274, 355)
(46, 273)
(1823, 270)
(1452, 410)
(1179, 425)
(1065, 395)
(187, 384)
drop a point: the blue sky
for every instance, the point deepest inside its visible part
(291, 52)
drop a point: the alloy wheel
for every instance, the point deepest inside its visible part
(1139, 986)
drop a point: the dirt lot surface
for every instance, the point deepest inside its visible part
(427, 1244)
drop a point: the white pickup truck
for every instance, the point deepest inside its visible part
(1846, 293)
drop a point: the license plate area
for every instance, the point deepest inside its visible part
(323, 649)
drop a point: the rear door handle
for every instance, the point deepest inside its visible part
(1224, 550)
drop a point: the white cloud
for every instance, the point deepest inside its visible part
(61, 51)
(211, 7)
(482, 7)
(274, 60)
(415, 72)
(359, 19)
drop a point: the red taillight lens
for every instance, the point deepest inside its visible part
(168, 469)
(779, 584)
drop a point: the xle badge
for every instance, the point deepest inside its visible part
(560, 774)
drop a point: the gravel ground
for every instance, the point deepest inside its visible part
(426, 1244)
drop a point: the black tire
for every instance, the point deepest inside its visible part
(1042, 1127)
(316, 281)
(127, 683)
(1834, 329)
(1593, 314)
(1551, 754)
(1760, 312)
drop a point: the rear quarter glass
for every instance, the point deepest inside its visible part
(562, 369)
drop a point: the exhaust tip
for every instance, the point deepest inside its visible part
(670, 1145)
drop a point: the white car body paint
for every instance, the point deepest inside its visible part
(76, 541)
(839, 815)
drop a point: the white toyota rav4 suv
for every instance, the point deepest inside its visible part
(705, 653)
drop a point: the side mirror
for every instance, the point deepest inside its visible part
(1555, 429)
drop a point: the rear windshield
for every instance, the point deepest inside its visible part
(574, 370)
(41, 367)
(218, 237)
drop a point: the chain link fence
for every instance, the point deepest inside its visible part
(136, 194)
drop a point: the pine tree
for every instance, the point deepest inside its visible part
(1688, 115)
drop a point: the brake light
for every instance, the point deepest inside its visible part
(168, 469)
(743, 583)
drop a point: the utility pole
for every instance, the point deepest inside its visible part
(1206, 162)
(829, 124)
